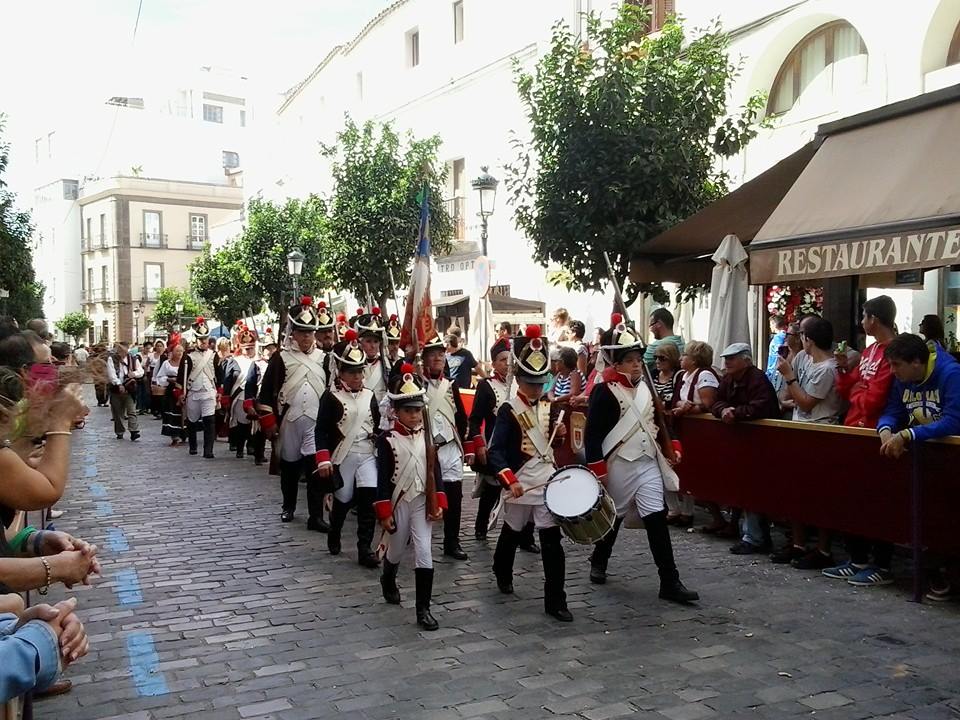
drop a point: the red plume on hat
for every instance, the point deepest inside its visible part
(375, 311)
(239, 323)
(406, 368)
(359, 311)
(393, 318)
(350, 335)
(341, 317)
(532, 331)
(321, 304)
(615, 319)
(306, 300)
(200, 319)
(270, 330)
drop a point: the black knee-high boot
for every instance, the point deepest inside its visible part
(554, 575)
(503, 558)
(338, 513)
(241, 438)
(527, 542)
(424, 593)
(232, 437)
(192, 437)
(259, 448)
(658, 535)
(602, 549)
(451, 521)
(388, 582)
(489, 495)
(289, 486)
(315, 496)
(209, 435)
(366, 525)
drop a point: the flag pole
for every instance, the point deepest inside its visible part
(393, 286)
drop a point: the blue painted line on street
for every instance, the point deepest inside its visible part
(116, 540)
(90, 471)
(103, 509)
(98, 490)
(145, 665)
(128, 587)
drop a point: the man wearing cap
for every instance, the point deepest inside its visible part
(369, 327)
(326, 337)
(521, 456)
(251, 389)
(408, 499)
(450, 427)
(745, 393)
(235, 374)
(288, 405)
(623, 451)
(198, 384)
(345, 433)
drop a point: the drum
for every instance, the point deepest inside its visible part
(581, 506)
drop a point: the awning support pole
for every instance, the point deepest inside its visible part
(917, 510)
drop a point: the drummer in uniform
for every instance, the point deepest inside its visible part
(408, 500)
(197, 388)
(235, 374)
(450, 428)
(290, 398)
(621, 446)
(345, 434)
(521, 456)
(251, 389)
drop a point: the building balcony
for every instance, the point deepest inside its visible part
(94, 295)
(149, 294)
(196, 242)
(97, 242)
(151, 240)
(457, 210)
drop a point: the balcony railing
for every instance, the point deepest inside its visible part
(457, 209)
(92, 295)
(153, 240)
(97, 242)
(196, 242)
(149, 294)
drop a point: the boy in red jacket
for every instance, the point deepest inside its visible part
(866, 387)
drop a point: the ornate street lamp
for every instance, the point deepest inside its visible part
(178, 306)
(486, 186)
(136, 324)
(295, 268)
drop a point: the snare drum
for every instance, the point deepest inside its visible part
(583, 509)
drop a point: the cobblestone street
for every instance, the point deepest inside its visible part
(210, 608)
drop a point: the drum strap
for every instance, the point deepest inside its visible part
(529, 423)
(632, 419)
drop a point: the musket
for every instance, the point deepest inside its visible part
(393, 286)
(660, 413)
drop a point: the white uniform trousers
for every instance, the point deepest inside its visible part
(451, 462)
(635, 484)
(358, 471)
(297, 439)
(517, 515)
(412, 525)
(200, 405)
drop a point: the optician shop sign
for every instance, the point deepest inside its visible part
(933, 248)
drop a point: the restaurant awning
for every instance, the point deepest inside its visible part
(682, 253)
(881, 194)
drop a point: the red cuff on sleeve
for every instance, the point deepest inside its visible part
(323, 456)
(479, 442)
(268, 421)
(507, 478)
(177, 393)
(598, 468)
(677, 449)
(225, 401)
(382, 509)
(468, 447)
(220, 390)
(248, 405)
(442, 501)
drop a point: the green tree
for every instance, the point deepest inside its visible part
(375, 211)
(165, 312)
(223, 284)
(75, 324)
(272, 231)
(625, 138)
(25, 300)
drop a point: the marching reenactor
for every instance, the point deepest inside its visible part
(326, 337)
(449, 426)
(622, 449)
(408, 500)
(520, 454)
(197, 387)
(392, 333)
(288, 404)
(234, 383)
(369, 327)
(345, 434)
(251, 390)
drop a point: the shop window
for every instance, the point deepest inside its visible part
(827, 64)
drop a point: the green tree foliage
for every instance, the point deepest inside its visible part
(75, 324)
(375, 211)
(165, 312)
(272, 231)
(223, 284)
(16, 253)
(625, 137)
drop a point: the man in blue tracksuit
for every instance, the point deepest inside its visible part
(924, 402)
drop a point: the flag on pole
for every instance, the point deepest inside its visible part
(418, 314)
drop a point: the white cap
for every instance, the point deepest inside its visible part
(737, 349)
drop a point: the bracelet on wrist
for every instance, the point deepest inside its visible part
(48, 433)
(46, 586)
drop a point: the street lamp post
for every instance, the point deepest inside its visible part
(136, 324)
(178, 306)
(486, 185)
(295, 268)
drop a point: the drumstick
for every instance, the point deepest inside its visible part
(556, 427)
